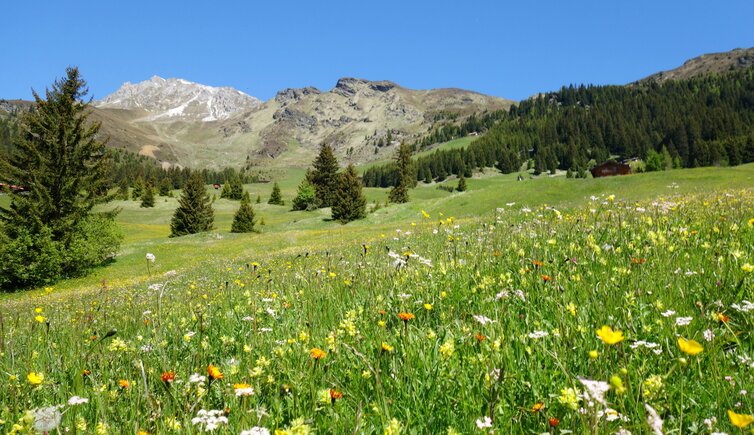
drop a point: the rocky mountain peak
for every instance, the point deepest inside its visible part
(349, 86)
(178, 99)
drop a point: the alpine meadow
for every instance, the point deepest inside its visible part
(178, 257)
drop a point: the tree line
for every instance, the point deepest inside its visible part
(701, 121)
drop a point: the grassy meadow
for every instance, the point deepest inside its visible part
(546, 305)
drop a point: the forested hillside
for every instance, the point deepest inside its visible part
(689, 123)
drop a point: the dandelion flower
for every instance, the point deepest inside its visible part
(690, 347)
(607, 335)
(40, 318)
(740, 420)
(47, 419)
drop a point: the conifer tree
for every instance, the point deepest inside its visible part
(165, 187)
(306, 197)
(324, 176)
(194, 213)
(244, 219)
(350, 203)
(122, 189)
(406, 177)
(52, 232)
(147, 199)
(138, 189)
(461, 183)
(275, 197)
(236, 189)
(225, 193)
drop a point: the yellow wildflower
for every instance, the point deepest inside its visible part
(607, 335)
(35, 378)
(690, 347)
(740, 420)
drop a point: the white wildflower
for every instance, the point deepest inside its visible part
(150, 257)
(483, 320)
(683, 321)
(484, 423)
(595, 390)
(47, 419)
(653, 420)
(76, 400)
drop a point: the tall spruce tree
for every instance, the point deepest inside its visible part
(147, 199)
(461, 183)
(51, 232)
(138, 189)
(122, 189)
(324, 176)
(165, 186)
(194, 213)
(244, 219)
(406, 176)
(306, 197)
(276, 198)
(236, 188)
(350, 203)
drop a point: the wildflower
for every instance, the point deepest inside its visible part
(243, 390)
(617, 383)
(335, 395)
(740, 420)
(546, 278)
(35, 379)
(428, 307)
(76, 400)
(571, 308)
(47, 419)
(480, 337)
(256, 430)
(150, 257)
(406, 316)
(570, 398)
(386, 347)
(747, 268)
(86, 372)
(484, 423)
(394, 427)
(40, 318)
(538, 334)
(483, 320)
(722, 318)
(168, 377)
(317, 353)
(595, 390)
(425, 214)
(537, 407)
(124, 384)
(652, 387)
(750, 222)
(708, 335)
(553, 422)
(690, 347)
(214, 372)
(593, 354)
(209, 420)
(608, 336)
(447, 349)
(683, 321)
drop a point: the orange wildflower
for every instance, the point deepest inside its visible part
(721, 317)
(480, 337)
(537, 407)
(554, 422)
(124, 384)
(546, 278)
(214, 372)
(537, 263)
(86, 372)
(406, 316)
(317, 353)
(168, 377)
(335, 395)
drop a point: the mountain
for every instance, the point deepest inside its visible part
(184, 123)
(712, 63)
(178, 99)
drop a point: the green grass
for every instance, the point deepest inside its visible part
(547, 265)
(450, 145)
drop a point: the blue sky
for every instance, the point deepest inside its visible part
(503, 48)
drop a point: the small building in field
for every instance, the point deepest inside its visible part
(609, 169)
(216, 186)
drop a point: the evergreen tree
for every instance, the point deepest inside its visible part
(52, 232)
(406, 176)
(461, 184)
(165, 187)
(122, 190)
(306, 197)
(324, 176)
(244, 219)
(236, 189)
(138, 189)
(147, 199)
(225, 193)
(259, 199)
(350, 203)
(194, 213)
(275, 197)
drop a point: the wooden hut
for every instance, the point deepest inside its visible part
(610, 168)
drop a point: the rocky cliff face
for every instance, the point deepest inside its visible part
(178, 100)
(189, 124)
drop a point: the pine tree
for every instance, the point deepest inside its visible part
(275, 197)
(194, 213)
(306, 197)
(259, 199)
(122, 189)
(51, 231)
(147, 199)
(138, 189)
(226, 192)
(165, 187)
(406, 177)
(324, 176)
(244, 219)
(461, 184)
(350, 203)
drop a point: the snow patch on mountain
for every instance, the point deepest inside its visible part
(179, 99)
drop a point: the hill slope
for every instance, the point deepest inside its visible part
(712, 63)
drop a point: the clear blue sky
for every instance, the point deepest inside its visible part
(503, 48)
